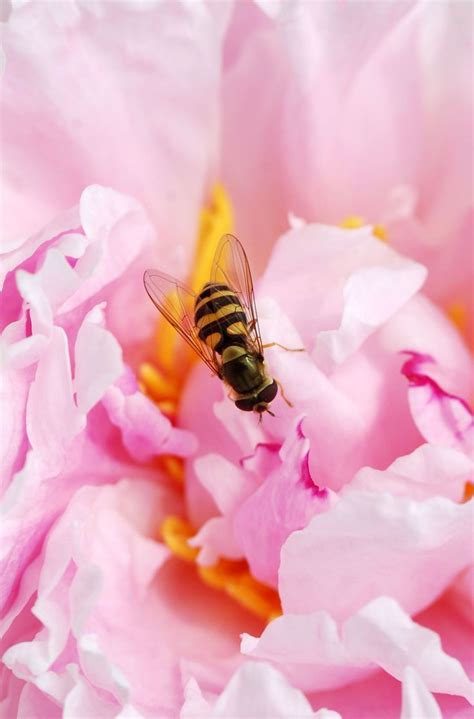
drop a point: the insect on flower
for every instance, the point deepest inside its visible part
(220, 323)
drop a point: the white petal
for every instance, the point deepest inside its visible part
(417, 701)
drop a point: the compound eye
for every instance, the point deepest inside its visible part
(246, 405)
(269, 393)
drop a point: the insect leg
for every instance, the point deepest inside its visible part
(287, 349)
(283, 394)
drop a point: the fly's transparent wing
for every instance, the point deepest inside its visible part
(231, 267)
(175, 301)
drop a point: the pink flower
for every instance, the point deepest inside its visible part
(162, 553)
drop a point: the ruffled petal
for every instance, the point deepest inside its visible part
(255, 690)
(391, 540)
(285, 501)
(441, 417)
(315, 656)
(429, 471)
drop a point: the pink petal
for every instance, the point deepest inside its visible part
(441, 417)
(52, 417)
(315, 123)
(370, 544)
(153, 132)
(371, 296)
(417, 700)
(98, 360)
(145, 431)
(259, 690)
(216, 539)
(308, 648)
(315, 656)
(228, 486)
(381, 632)
(283, 503)
(429, 471)
(100, 597)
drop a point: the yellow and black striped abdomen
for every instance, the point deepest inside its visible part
(219, 317)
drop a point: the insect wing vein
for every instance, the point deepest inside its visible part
(231, 267)
(175, 301)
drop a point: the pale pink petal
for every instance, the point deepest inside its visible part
(100, 597)
(195, 705)
(317, 656)
(52, 417)
(61, 276)
(417, 701)
(228, 486)
(34, 704)
(284, 502)
(308, 649)
(13, 394)
(337, 257)
(146, 432)
(18, 349)
(371, 296)
(83, 701)
(383, 633)
(427, 472)
(212, 436)
(40, 310)
(216, 539)
(259, 690)
(145, 124)
(379, 695)
(331, 99)
(461, 594)
(441, 417)
(263, 460)
(370, 544)
(98, 360)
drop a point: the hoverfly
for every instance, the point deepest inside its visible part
(220, 323)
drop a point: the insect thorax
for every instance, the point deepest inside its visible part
(244, 371)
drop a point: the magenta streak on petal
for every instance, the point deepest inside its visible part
(269, 446)
(446, 402)
(299, 429)
(418, 378)
(307, 481)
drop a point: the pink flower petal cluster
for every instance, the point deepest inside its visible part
(349, 503)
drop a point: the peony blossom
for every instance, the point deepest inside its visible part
(162, 553)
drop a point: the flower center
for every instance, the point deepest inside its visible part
(163, 381)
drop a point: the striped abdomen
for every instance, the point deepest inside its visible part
(219, 317)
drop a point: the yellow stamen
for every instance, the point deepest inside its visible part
(173, 467)
(175, 532)
(457, 313)
(231, 577)
(215, 221)
(156, 384)
(168, 407)
(468, 492)
(353, 222)
(380, 232)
